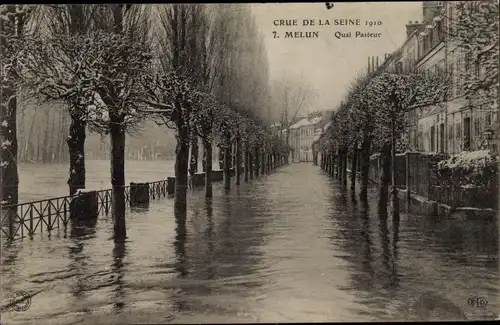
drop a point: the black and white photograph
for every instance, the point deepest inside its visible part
(272, 162)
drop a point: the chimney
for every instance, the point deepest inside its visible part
(377, 61)
(412, 26)
(369, 68)
(373, 63)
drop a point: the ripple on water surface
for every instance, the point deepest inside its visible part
(286, 247)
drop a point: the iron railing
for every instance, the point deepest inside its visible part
(26, 219)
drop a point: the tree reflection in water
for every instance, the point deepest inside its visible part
(208, 237)
(80, 231)
(180, 250)
(119, 252)
(388, 261)
(365, 235)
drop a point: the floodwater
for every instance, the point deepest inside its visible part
(287, 247)
(44, 181)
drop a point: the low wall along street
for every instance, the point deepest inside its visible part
(442, 192)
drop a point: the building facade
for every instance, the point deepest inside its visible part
(302, 135)
(458, 124)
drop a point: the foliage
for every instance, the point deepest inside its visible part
(477, 33)
(396, 94)
(97, 74)
(477, 168)
(374, 104)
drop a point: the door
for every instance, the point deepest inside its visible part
(441, 137)
(467, 133)
(433, 138)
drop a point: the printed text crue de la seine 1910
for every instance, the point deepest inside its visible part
(340, 28)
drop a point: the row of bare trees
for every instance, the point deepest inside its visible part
(372, 120)
(199, 70)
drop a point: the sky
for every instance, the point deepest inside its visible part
(330, 64)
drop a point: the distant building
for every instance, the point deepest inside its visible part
(302, 134)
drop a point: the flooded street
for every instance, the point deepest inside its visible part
(291, 246)
(44, 181)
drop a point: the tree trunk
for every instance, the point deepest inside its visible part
(245, 162)
(38, 152)
(76, 148)
(28, 152)
(257, 166)
(193, 163)
(45, 148)
(354, 167)
(57, 139)
(238, 161)
(53, 137)
(385, 177)
(394, 190)
(8, 171)
(221, 158)
(263, 162)
(233, 155)
(339, 164)
(117, 134)
(227, 165)
(344, 169)
(250, 165)
(181, 163)
(205, 155)
(333, 164)
(365, 166)
(207, 149)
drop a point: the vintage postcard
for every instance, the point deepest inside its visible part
(249, 162)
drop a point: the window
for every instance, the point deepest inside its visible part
(441, 137)
(458, 136)
(467, 133)
(451, 72)
(468, 59)
(450, 20)
(459, 83)
(433, 138)
(439, 29)
(477, 127)
(488, 119)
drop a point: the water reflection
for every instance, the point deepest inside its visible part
(384, 240)
(80, 231)
(208, 237)
(366, 240)
(181, 268)
(395, 235)
(119, 252)
(293, 245)
(180, 241)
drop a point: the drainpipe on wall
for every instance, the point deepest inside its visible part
(445, 38)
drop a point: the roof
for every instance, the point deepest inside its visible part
(327, 126)
(306, 122)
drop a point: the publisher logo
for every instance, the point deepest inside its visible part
(20, 301)
(477, 302)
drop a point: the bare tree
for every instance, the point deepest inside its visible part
(12, 23)
(291, 98)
